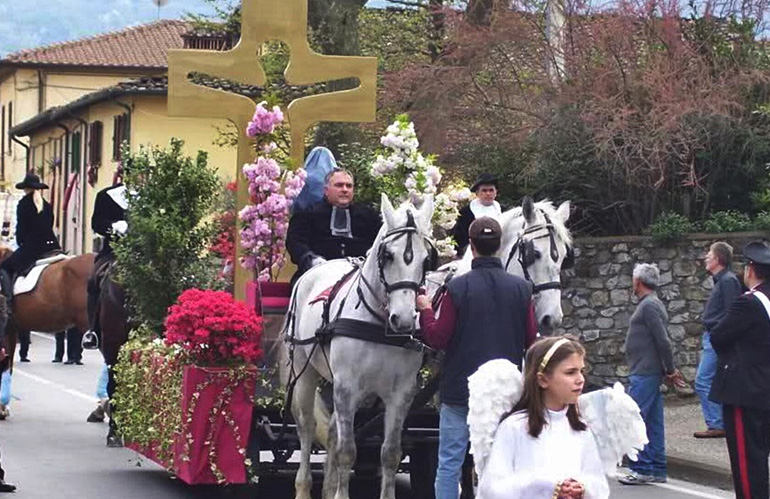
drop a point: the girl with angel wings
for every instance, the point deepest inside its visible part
(551, 442)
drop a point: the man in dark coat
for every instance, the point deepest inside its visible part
(742, 381)
(34, 232)
(484, 205)
(334, 228)
(109, 221)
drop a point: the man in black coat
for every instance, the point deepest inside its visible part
(484, 205)
(109, 221)
(742, 381)
(334, 228)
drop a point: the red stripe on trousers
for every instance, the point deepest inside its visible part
(740, 443)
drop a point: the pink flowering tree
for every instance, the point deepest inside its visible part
(272, 188)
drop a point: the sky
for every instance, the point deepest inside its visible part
(34, 23)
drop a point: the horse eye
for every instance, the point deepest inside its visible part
(389, 256)
(538, 254)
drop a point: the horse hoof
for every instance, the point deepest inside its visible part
(4, 412)
(114, 441)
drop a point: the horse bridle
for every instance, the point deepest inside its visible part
(407, 231)
(522, 246)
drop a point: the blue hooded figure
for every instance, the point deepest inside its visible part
(318, 164)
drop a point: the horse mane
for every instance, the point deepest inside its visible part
(547, 207)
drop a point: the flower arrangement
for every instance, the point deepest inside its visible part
(272, 189)
(214, 329)
(403, 172)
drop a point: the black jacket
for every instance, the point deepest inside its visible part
(742, 344)
(34, 234)
(106, 212)
(492, 309)
(460, 230)
(309, 233)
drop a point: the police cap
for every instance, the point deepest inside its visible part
(757, 252)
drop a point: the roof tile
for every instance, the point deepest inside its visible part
(143, 46)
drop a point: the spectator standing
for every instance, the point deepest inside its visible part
(485, 314)
(718, 262)
(649, 355)
(74, 347)
(742, 381)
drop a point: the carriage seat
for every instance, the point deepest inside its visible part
(27, 280)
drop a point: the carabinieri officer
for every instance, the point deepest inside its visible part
(742, 381)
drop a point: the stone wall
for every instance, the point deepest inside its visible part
(598, 300)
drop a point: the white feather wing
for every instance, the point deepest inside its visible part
(494, 389)
(616, 423)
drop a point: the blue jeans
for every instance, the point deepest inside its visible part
(452, 446)
(645, 390)
(712, 412)
(101, 385)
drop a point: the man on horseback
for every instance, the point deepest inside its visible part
(334, 228)
(34, 233)
(109, 221)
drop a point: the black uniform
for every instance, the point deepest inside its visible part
(34, 235)
(460, 230)
(310, 235)
(742, 385)
(107, 211)
(109, 207)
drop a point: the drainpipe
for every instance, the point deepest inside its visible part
(63, 177)
(40, 91)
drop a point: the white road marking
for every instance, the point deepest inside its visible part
(53, 384)
(688, 491)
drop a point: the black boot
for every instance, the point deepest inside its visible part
(90, 339)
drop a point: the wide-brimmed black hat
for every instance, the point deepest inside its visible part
(484, 179)
(757, 252)
(31, 181)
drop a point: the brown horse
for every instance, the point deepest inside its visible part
(57, 303)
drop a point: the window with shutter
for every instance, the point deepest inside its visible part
(95, 143)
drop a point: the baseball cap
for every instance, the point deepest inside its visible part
(485, 228)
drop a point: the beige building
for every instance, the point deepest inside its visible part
(66, 109)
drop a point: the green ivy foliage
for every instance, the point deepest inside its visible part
(727, 221)
(171, 200)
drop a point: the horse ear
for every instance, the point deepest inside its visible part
(426, 213)
(528, 208)
(388, 212)
(563, 211)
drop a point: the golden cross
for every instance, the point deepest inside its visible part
(264, 21)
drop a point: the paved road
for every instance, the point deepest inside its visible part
(50, 451)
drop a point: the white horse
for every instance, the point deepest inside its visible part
(536, 245)
(379, 295)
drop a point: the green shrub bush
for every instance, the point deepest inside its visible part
(669, 226)
(726, 221)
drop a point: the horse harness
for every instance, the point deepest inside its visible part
(380, 331)
(525, 247)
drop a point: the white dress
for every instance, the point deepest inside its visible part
(523, 467)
